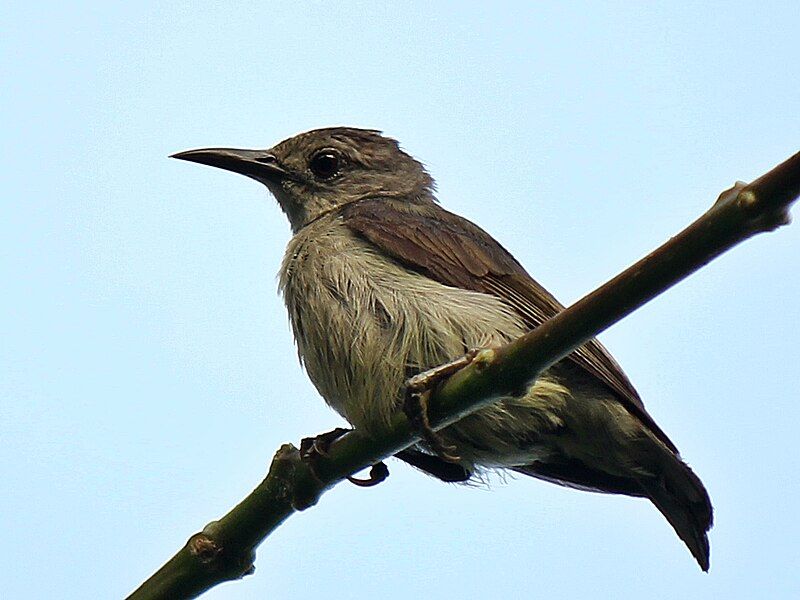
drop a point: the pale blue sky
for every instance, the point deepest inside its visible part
(147, 373)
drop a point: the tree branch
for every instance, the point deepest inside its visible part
(225, 549)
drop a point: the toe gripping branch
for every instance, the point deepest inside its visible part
(314, 448)
(418, 390)
(444, 462)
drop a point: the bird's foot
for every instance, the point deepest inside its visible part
(418, 390)
(313, 448)
(416, 409)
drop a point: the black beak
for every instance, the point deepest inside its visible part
(259, 164)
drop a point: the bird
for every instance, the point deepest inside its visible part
(381, 283)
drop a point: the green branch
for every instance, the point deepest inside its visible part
(225, 549)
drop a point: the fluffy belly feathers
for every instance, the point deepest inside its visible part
(364, 324)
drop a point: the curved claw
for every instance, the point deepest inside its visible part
(312, 447)
(377, 474)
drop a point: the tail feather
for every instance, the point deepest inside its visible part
(682, 499)
(676, 491)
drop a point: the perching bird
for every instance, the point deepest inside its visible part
(381, 283)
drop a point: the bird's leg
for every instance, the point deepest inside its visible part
(418, 390)
(416, 409)
(312, 448)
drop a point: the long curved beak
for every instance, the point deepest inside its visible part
(259, 164)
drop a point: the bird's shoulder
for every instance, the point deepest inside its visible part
(427, 237)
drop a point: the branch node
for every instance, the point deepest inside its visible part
(762, 217)
(731, 194)
(483, 359)
(300, 484)
(212, 555)
(204, 548)
(754, 204)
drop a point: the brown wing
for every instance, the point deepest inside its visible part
(452, 250)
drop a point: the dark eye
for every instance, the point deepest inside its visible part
(325, 163)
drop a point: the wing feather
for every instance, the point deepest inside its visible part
(454, 251)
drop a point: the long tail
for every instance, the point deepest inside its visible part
(682, 499)
(676, 491)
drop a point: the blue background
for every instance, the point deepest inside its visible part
(147, 373)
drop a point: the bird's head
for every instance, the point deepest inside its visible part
(315, 172)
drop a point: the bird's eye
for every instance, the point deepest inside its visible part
(325, 163)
